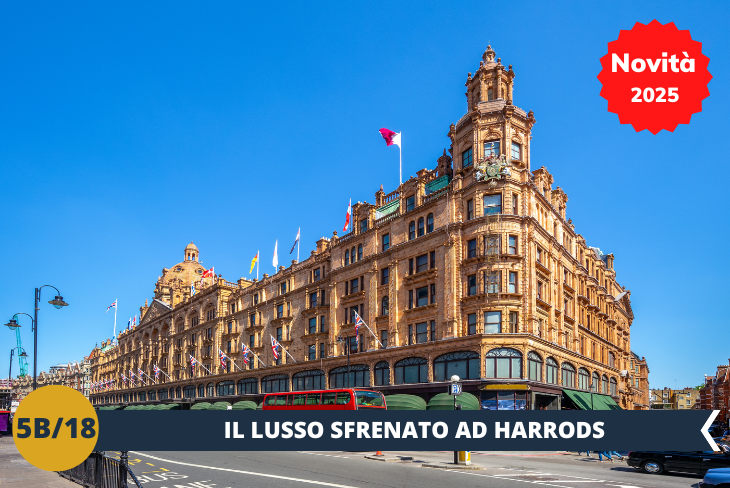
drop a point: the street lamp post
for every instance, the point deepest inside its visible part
(346, 341)
(591, 387)
(13, 324)
(10, 370)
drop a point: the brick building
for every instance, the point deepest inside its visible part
(638, 378)
(716, 393)
(470, 268)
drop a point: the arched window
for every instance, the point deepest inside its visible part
(429, 223)
(201, 390)
(596, 381)
(411, 370)
(142, 396)
(209, 390)
(604, 385)
(275, 383)
(534, 366)
(490, 94)
(225, 388)
(551, 371)
(568, 375)
(309, 380)
(504, 363)
(126, 397)
(359, 252)
(384, 306)
(583, 379)
(178, 392)
(347, 257)
(421, 227)
(151, 395)
(248, 386)
(411, 231)
(189, 391)
(463, 364)
(382, 374)
(611, 360)
(162, 394)
(352, 254)
(612, 383)
(359, 377)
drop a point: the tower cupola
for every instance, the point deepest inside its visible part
(191, 252)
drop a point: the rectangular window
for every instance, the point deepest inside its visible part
(433, 292)
(312, 353)
(252, 341)
(385, 276)
(471, 248)
(512, 245)
(354, 285)
(410, 266)
(516, 151)
(492, 322)
(491, 283)
(539, 255)
(316, 275)
(471, 321)
(410, 335)
(313, 299)
(283, 288)
(410, 203)
(313, 325)
(386, 242)
(230, 327)
(469, 209)
(321, 323)
(492, 245)
(353, 311)
(384, 338)
(421, 263)
(228, 346)
(512, 287)
(493, 204)
(432, 255)
(422, 296)
(278, 333)
(363, 225)
(256, 299)
(515, 206)
(491, 148)
(539, 290)
(513, 322)
(279, 310)
(321, 349)
(433, 330)
(421, 333)
(471, 285)
(467, 158)
(410, 299)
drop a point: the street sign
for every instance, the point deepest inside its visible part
(455, 389)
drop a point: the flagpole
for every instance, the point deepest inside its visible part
(116, 306)
(400, 163)
(299, 239)
(258, 258)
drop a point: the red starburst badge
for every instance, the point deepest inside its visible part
(654, 77)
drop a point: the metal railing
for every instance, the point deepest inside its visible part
(101, 471)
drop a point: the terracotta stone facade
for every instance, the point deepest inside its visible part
(716, 393)
(471, 267)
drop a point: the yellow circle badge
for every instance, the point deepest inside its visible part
(55, 428)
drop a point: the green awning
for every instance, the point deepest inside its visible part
(444, 401)
(583, 400)
(405, 402)
(437, 184)
(387, 209)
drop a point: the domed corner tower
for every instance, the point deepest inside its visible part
(173, 286)
(492, 124)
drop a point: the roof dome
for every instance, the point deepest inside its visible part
(191, 247)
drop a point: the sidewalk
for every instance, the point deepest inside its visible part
(16, 472)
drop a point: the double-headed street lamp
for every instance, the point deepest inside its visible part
(10, 369)
(346, 341)
(13, 324)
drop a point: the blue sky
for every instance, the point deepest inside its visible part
(127, 131)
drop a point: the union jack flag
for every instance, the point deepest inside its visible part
(131, 377)
(245, 353)
(275, 347)
(113, 305)
(140, 374)
(157, 372)
(223, 358)
(193, 362)
(358, 323)
(124, 378)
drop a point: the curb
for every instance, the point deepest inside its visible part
(451, 466)
(383, 459)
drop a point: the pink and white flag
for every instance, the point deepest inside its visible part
(390, 137)
(348, 216)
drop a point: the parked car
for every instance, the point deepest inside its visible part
(716, 478)
(697, 462)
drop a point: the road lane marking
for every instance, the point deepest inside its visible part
(320, 454)
(252, 473)
(149, 464)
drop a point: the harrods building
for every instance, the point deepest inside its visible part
(470, 268)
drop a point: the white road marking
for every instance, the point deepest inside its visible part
(320, 454)
(252, 473)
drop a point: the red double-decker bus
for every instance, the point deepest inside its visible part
(345, 399)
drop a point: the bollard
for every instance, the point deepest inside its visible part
(464, 458)
(123, 468)
(379, 453)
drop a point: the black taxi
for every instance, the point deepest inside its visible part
(697, 462)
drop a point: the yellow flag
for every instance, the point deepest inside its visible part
(253, 262)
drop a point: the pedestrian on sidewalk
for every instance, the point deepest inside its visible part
(604, 453)
(614, 453)
(588, 453)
